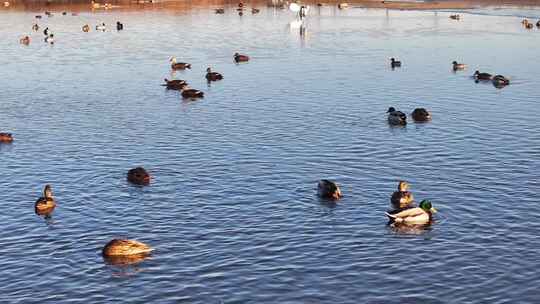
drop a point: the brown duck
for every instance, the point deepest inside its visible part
(192, 93)
(402, 198)
(213, 76)
(175, 84)
(179, 65)
(240, 58)
(138, 176)
(45, 204)
(6, 138)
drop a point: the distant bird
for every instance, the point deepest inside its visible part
(458, 66)
(50, 39)
(421, 115)
(328, 189)
(25, 40)
(402, 198)
(538, 23)
(101, 27)
(86, 28)
(396, 118)
(343, 5)
(64, 13)
(46, 31)
(45, 204)
(6, 137)
(529, 26)
(38, 17)
(119, 26)
(220, 11)
(138, 176)
(176, 84)
(118, 247)
(455, 17)
(213, 76)
(394, 63)
(192, 93)
(35, 27)
(255, 11)
(240, 58)
(524, 21)
(48, 14)
(421, 215)
(500, 81)
(179, 65)
(482, 76)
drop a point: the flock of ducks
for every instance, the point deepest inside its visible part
(529, 25)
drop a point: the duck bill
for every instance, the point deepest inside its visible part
(433, 210)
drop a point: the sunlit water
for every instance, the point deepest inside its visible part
(232, 211)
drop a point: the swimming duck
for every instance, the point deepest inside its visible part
(240, 13)
(421, 115)
(101, 27)
(529, 26)
(175, 84)
(255, 11)
(220, 11)
(455, 17)
(45, 204)
(38, 17)
(394, 63)
(396, 118)
(46, 31)
(415, 216)
(328, 189)
(343, 5)
(35, 27)
(500, 80)
(6, 137)
(458, 66)
(213, 76)
(119, 26)
(179, 65)
(191, 93)
(482, 76)
(25, 40)
(50, 39)
(118, 247)
(86, 28)
(138, 176)
(240, 58)
(402, 198)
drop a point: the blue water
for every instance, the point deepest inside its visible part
(231, 210)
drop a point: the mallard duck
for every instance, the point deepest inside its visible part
(25, 40)
(396, 118)
(45, 204)
(458, 66)
(328, 189)
(35, 27)
(192, 93)
(394, 63)
(175, 84)
(421, 215)
(500, 80)
(213, 76)
(220, 11)
(119, 26)
(255, 11)
(118, 247)
(240, 58)
(86, 28)
(402, 198)
(138, 176)
(6, 137)
(482, 76)
(421, 115)
(101, 27)
(179, 65)
(343, 5)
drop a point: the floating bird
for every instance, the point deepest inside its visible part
(394, 63)
(45, 204)
(175, 84)
(255, 11)
(6, 137)
(240, 58)
(118, 247)
(458, 66)
(35, 27)
(402, 198)
(25, 40)
(138, 176)
(538, 23)
(421, 215)
(50, 39)
(396, 118)
(179, 65)
(529, 26)
(421, 115)
(328, 189)
(455, 17)
(119, 26)
(101, 27)
(86, 28)
(38, 17)
(500, 81)
(46, 31)
(212, 76)
(192, 93)
(482, 76)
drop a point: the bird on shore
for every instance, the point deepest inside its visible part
(343, 5)
(482, 76)
(396, 118)
(45, 204)
(328, 189)
(240, 58)
(421, 215)
(394, 63)
(402, 198)
(213, 76)
(191, 93)
(421, 115)
(179, 65)
(458, 66)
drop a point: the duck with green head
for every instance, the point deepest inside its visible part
(421, 215)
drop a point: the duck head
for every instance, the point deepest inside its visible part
(173, 59)
(47, 192)
(403, 186)
(426, 206)
(454, 62)
(477, 73)
(393, 59)
(208, 70)
(329, 189)
(391, 109)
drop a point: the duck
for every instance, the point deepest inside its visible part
(343, 5)
(538, 23)
(38, 16)
(394, 63)
(396, 118)
(500, 80)
(421, 115)
(482, 76)
(213, 76)
(25, 40)
(138, 176)
(86, 28)
(179, 65)
(175, 84)
(328, 189)
(240, 58)
(192, 93)
(6, 137)
(45, 204)
(46, 31)
(64, 13)
(402, 198)
(101, 27)
(124, 247)
(529, 26)
(421, 215)
(220, 11)
(50, 39)
(458, 66)
(255, 11)
(119, 26)
(48, 14)
(455, 17)
(35, 27)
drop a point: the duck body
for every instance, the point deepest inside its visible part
(176, 84)
(500, 80)
(192, 93)
(538, 23)
(529, 26)
(240, 58)
(179, 65)
(213, 76)
(394, 63)
(396, 118)
(328, 189)
(458, 66)
(121, 247)
(421, 215)
(138, 176)
(25, 40)
(6, 137)
(482, 76)
(421, 115)
(45, 204)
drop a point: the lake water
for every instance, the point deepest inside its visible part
(231, 210)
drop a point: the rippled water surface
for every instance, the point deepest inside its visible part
(231, 210)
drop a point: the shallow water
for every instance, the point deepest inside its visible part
(232, 211)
